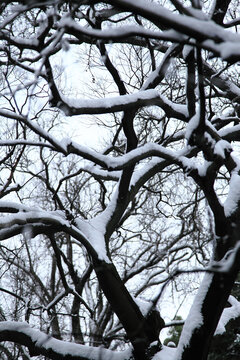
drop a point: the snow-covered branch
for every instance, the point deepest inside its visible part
(149, 97)
(34, 127)
(212, 36)
(228, 314)
(44, 222)
(134, 156)
(40, 343)
(119, 33)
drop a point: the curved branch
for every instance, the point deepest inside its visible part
(72, 107)
(44, 222)
(131, 158)
(40, 343)
(35, 128)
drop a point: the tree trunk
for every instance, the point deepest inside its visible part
(215, 299)
(126, 309)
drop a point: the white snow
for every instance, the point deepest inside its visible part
(161, 68)
(12, 206)
(228, 49)
(222, 147)
(24, 142)
(188, 163)
(99, 105)
(120, 103)
(63, 347)
(226, 263)
(233, 198)
(194, 163)
(229, 130)
(95, 170)
(197, 13)
(142, 152)
(144, 305)
(187, 24)
(192, 125)
(116, 33)
(90, 234)
(141, 171)
(22, 218)
(94, 230)
(167, 353)
(56, 299)
(194, 319)
(228, 314)
(203, 167)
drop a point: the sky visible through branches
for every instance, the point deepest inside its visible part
(119, 178)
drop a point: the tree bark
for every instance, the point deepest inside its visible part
(215, 299)
(139, 333)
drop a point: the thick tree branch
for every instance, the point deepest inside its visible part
(39, 343)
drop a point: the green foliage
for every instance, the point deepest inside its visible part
(174, 332)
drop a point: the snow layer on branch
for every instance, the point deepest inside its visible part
(195, 26)
(73, 106)
(229, 313)
(194, 319)
(222, 147)
(120, 32)
(110, 102)
(194, 163)
(22, 218)
(228, 49)
(134, 156)
(95, 170)
(144, 305)
(229, 130)
(60, 347)
(94, 230)
(167, 353)
(233, 198)
(141, 171)
(9, 206)
(226, 264)
(220, 41)
(192, 125)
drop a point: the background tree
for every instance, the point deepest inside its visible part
(92, 236)
(174, 332)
